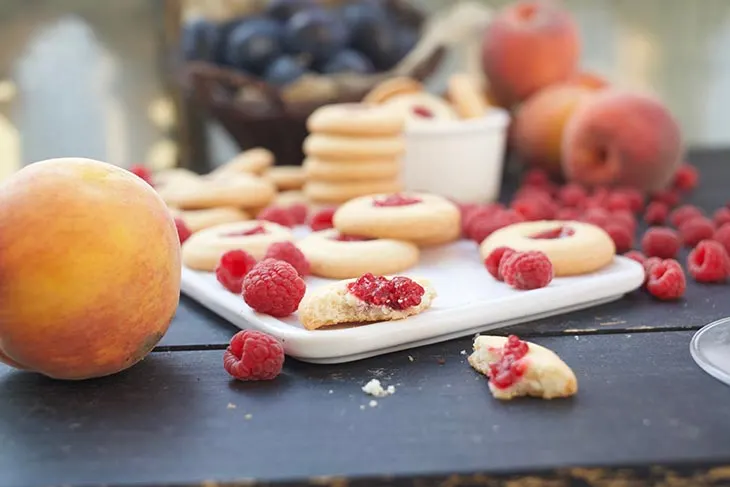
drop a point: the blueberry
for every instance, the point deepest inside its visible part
(283, 10)
(379, 41)
(200, 40)
(284, 70)
(253, 44)
(318, 32)
(348, 61)
(363, 12)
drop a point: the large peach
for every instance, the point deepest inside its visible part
(539, 123)
(622, 138)
(89, 268)
(529, 45)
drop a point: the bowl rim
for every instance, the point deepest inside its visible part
(494, 118)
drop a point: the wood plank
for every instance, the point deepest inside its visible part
(176, 418)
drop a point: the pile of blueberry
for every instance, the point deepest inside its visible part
(294, 37)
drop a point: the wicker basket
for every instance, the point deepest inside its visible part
(256, 114)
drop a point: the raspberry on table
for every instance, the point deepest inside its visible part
(253, 355)
(618, 201)
(722, 235)
(567, 213)
(624, 218)
(669, 197)
(232, 268)
(572, 195)
(273, 287)
(527, 270)
(478, 212)
(299, 213)
(183, 232)
(495, 258)
(481, 228)
(596, 216)
(660, 242)
(534, 209)
(708, 262)
(693, 230)
(623, 237)
(666, 280)
(635, 255)
(683, 213)
(290, 253)
(656, 213)
(648, 264)
(143, 173)
(536, 177)
(277, 214)
(322, 220)
(686, 178)
(721, 216)
(634, 197)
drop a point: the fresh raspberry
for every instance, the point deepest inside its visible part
(596, 216)
(572, 195)
(277, 214)
(531, 192)
(534, 209)
(648, 264)
(660, 242)
(232, 268)
(464, 210)
(481, 228)
(527, 270)
(183, 232)
(536, 177)
(618, 201)
(624, 218)
(666, 280)
(656, 213)
(721, 216)
(668, 197)
(623, 237)
(597, 199)
(299, 213)
(478, 212)
(708, 262)
(322, 220)
(567, 214)
(681, 214)
(635, 255)
(253, 355)
(722, 235)
(494, 259)
(686, 178)
(634, 197)
(694, 230)
(143, 173)
(290, 253)
(273, 287)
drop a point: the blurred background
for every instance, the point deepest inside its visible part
(90, 78)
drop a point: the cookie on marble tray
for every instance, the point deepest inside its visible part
(335, 256)
(346, 148)
(286, 178)
(355, 119)
(424, 219)
(418, 108)
(391, 87)
(197, 220)
(239, 190)
(376, 169)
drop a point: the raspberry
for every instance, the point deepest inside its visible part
(660, 242)
(322, 220)
(633, 196)
(277, 214)
(624, 218)
(648, 264)
(656, 213)
(666, 280)
(481, 228)
(536, 177)
(567, 213)
(253, 355)
(494, 259)
(721, 216)
(273, 287)
(527, 270)
(686, 178)
(143, 173)
(683, 213)
(533, 209)
(572, 195)
(183, 232)
(288, 252)
(232, 268)
(299, 213)
(479, 212)
(531, 192)
(635, 255)
(618, 201)
(694, 230)
(622, 237)
(668, 197)
(596, 216)
(708, 262)
(722, 235)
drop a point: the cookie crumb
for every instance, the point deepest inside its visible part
(373, 403)
(231, 406)
(330, 391)
(375, 388)
(362, 407)
(248, 416)
(410, 359)
(463, 352)
(441, 361)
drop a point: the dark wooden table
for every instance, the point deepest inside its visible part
(645, 413)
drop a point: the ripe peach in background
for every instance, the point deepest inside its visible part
(539, 122)
(529, 45)
(89, 268)
(622, 138)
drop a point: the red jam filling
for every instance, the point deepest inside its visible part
(554, 233)
(350, 238)
(396, 293)
(257, 230)
(396, 200)
(422, 112)
(506, 371)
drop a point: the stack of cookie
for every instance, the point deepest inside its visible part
(352, 150)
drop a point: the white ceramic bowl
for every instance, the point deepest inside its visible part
(460, 159)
